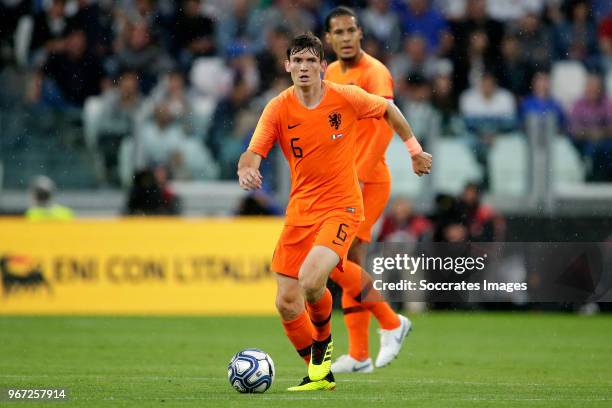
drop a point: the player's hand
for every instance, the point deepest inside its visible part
(421, 164)
(249, 178)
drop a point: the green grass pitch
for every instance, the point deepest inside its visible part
(449, 360)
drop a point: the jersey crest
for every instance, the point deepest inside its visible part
(335, 120)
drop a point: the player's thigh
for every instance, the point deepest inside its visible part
(317, 266)
(375, 199)
(337, 234)
(292, 248)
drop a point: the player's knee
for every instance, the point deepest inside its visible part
(289, 307)
(311, 286)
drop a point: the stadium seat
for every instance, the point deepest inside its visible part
(508, 165)
(568, 80)
(210, 80)
(567, 167)
(210, 77)
(403, 180)
(23, 39)
(91, 120)
(126, 161)
(454, 166)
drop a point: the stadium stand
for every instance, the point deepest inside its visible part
(233, 64)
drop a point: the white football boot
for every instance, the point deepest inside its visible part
(391, 342)
(347, 364)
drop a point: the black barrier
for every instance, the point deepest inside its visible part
(516, 272)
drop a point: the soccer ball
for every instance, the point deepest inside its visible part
(251, 370)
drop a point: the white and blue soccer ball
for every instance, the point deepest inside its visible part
(251, 371)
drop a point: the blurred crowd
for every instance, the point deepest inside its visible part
(464, 218)
(180, 84)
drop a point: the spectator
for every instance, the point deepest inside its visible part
(482, 222)
(138, 53)
(604, 60)
(194, 34)
(172, 92)
(151, 194)
(414, 100)
(535, 41)
(232, 27)
(576, 38)
(590, 123)
(162, 141)
(48, 31)
(514, 71)
(96, 20)
(226, 111)
(401, 224)
(119, 111)
(422, 19)
(444, 101)
(509, 11)
(488, 110)
(414, 59)
(477, 19)
(381, 23)
(448, 221)
(540, 102)
(601, 9)
(232, 147)
(75, 72)
(271, 60)
(470, 67)
(43, 208)
(281, 12)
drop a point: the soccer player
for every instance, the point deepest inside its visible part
(356, 67)
(314, 121)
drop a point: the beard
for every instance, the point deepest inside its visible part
(351, 59)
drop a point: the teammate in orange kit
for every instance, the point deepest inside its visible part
(314, 122)
(356, 67)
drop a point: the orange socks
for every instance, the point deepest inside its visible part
(300, 332)
(320, 315)
(386, 317)
(357, 320)
(352, 280)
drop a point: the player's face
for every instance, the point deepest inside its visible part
(345, 37)
(305, 68)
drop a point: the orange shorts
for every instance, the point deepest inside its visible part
(375, 198)
(295, 242)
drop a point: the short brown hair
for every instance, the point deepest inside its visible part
(307, 41)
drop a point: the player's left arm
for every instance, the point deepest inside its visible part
(367, 105)
(421, 160)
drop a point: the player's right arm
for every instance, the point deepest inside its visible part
(265, 135)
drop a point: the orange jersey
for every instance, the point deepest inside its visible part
(319, 144)
(373, 135)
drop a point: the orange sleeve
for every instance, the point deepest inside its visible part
(366, 105)
(267, 130)
(380, 82)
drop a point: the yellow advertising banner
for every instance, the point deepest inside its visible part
(138, 266)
